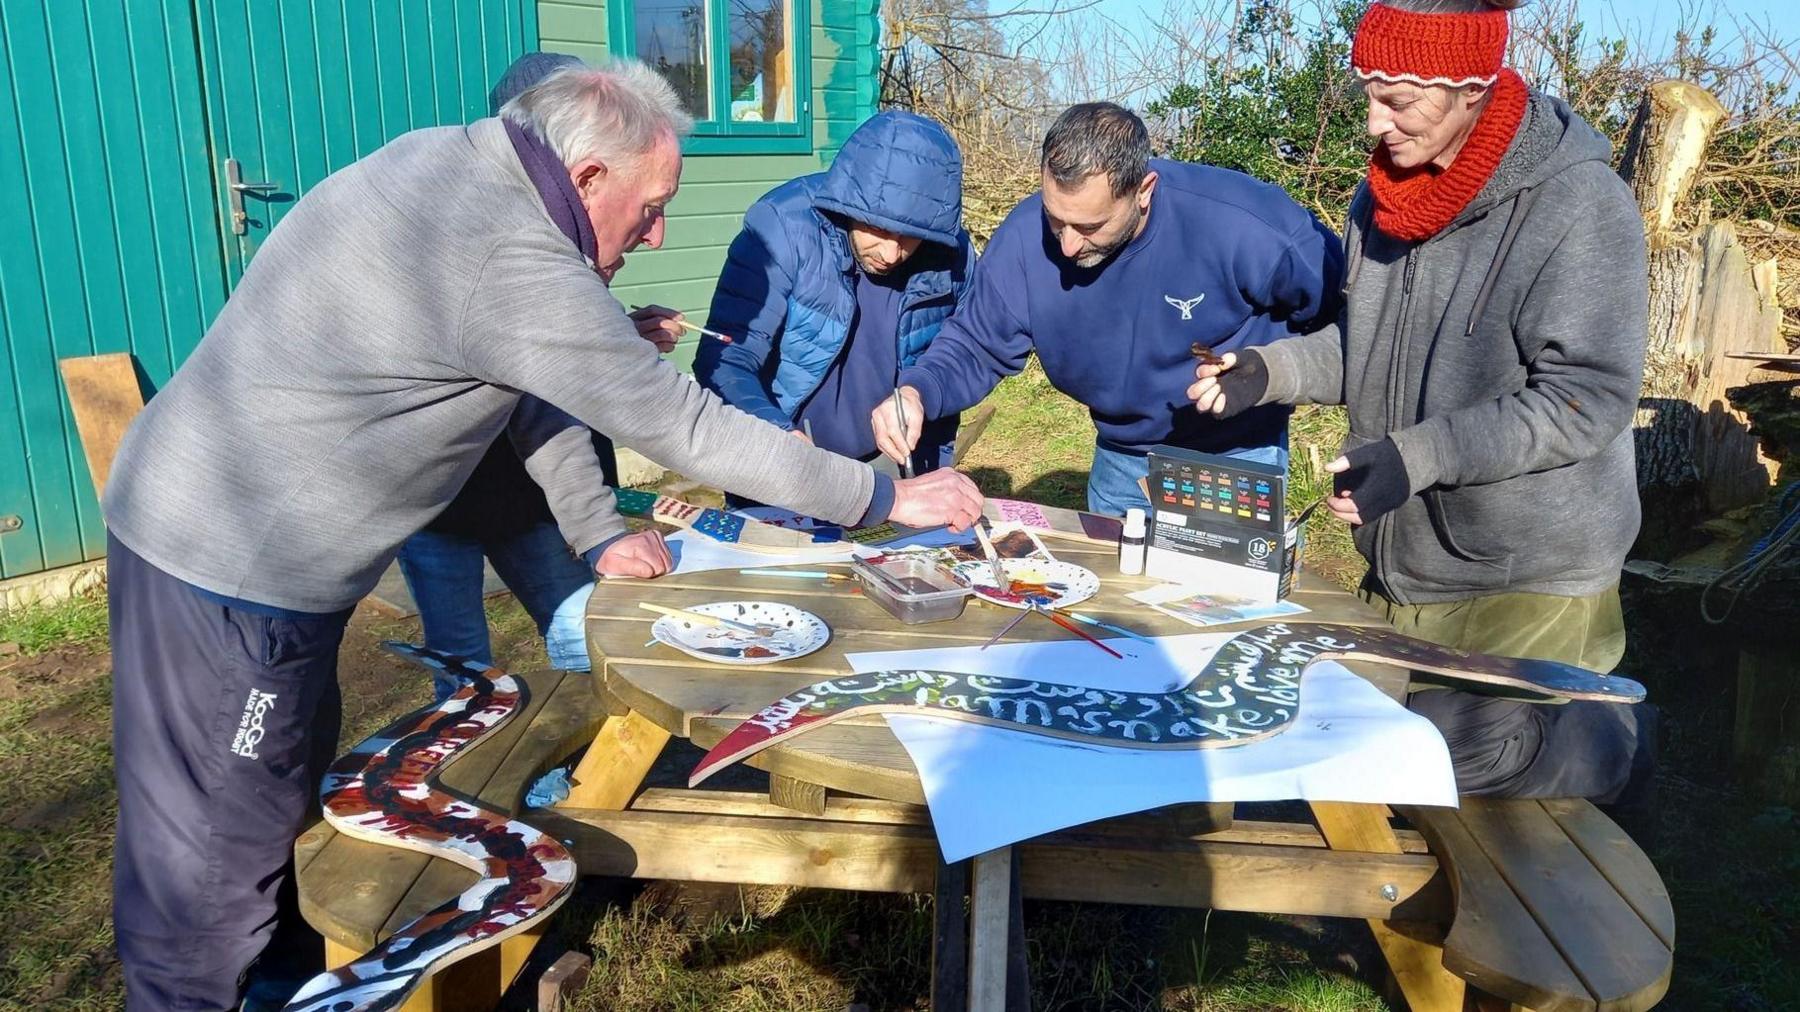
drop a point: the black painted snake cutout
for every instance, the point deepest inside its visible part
(383, 791)
(1249, 689)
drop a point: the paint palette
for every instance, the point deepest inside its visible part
(793, 633)
(1046, 583)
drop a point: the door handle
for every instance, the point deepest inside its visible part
(234, 182)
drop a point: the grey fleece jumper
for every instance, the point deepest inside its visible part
(1504, 356)
(378, 343)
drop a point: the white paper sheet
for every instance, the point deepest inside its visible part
(697, 553)
(988, 787)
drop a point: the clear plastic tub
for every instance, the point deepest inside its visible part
(912, 590)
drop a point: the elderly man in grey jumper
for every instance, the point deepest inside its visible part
(381, 339)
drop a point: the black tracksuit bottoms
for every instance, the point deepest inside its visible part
(224, 721)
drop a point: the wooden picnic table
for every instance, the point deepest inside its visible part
(830, 775)
(1546, 905)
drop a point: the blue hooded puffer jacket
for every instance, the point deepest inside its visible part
(787, 294)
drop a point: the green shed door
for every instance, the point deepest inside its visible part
(107, 239)
(295, 91)
(117, 233)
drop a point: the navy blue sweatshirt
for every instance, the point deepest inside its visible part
(863, 375)
(1224, 261)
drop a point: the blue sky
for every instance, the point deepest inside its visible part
(1651, 20)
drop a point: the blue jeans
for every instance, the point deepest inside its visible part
(1113, 480)
(443, 571)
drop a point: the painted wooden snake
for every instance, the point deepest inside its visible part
(384, 791)
(1249, 689)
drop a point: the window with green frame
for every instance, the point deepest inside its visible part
(742, 67)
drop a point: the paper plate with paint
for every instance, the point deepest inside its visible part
(763, 632)
(1046, 583)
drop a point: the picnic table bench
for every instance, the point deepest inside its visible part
(1527, 904)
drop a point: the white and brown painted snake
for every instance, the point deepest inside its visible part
(384, 790)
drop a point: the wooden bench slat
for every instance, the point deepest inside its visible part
(1494, 943)
(351, 887)
(1621, 861)
(1606, 943)
(569, 713)
(898, 857)
(844, 808)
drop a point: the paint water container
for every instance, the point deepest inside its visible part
(911, 589)
(1131, 543)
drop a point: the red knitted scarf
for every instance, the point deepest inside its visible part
(1415, 204)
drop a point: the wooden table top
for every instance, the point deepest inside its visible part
(702, 700)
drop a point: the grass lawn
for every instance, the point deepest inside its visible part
(1731, 861)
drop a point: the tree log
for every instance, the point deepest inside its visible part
(1666, 149)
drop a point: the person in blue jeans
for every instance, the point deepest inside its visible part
(838, 281)
(1119, 273)
(502, 515)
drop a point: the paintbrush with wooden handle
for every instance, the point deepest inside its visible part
(703, 619)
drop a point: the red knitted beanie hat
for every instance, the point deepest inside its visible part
(1447, 49)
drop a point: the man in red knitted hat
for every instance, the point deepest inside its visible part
(1490, 355)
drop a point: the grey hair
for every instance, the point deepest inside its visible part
(1096, 137)
(614, 114)
(1453, 6)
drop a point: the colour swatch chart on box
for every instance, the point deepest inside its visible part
(1219, 491)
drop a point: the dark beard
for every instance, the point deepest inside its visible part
(1101, 254)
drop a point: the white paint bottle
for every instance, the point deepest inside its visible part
(1131, 543)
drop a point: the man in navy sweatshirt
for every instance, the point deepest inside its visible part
(1119, 273)
(838, 281)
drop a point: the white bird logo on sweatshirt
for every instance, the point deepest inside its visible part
(1185, 305)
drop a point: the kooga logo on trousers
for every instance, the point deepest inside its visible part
(250, 725)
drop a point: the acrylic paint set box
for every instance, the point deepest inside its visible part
(1220, 523)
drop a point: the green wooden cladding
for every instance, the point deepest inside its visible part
(718, 185)
(119, 115)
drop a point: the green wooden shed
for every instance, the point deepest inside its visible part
(151, 144)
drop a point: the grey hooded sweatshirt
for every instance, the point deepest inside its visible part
(1504, 357)
(381, 339)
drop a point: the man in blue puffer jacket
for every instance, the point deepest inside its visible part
(838, 281)
(1119, 274)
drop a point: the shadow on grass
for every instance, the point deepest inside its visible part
(1066, 488)
(818, 949)
(1729, 857)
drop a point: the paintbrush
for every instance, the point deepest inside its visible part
(1077, 630)
(900, 413)
(1020, 617)
(1109, 627)
(796, 574)
(1307, 512)
(1206, 355)
(987, 545)
(694, 616)
(696, 328)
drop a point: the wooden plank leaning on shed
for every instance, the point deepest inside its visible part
(104, 396)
